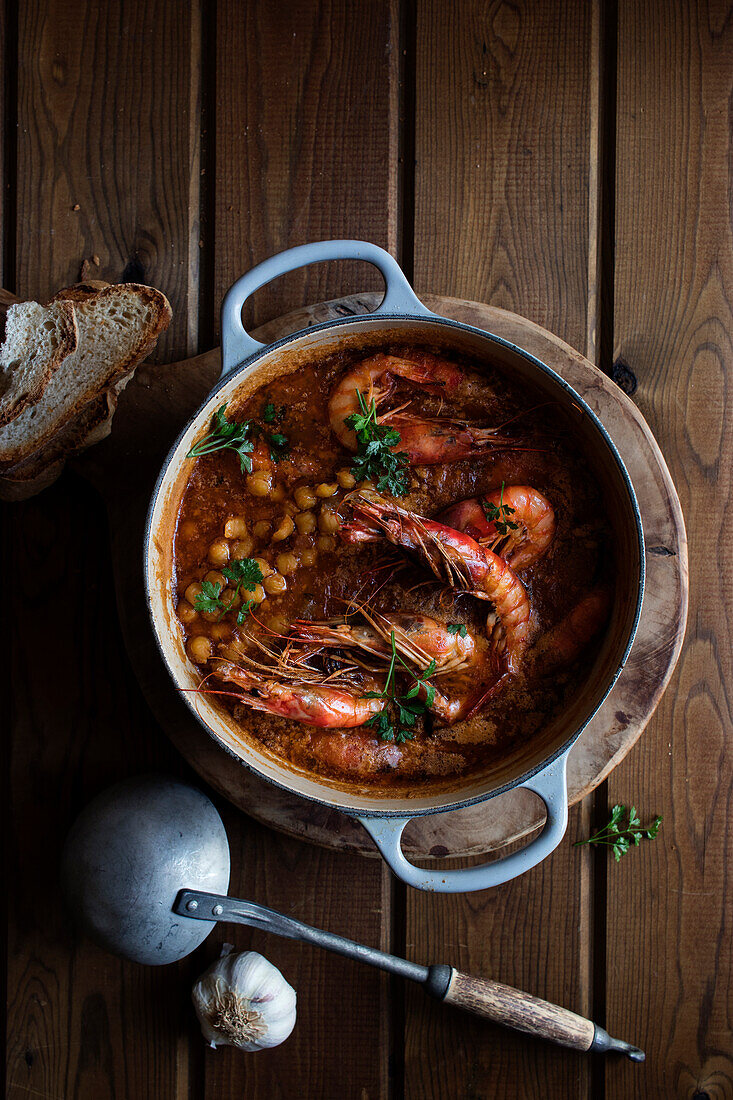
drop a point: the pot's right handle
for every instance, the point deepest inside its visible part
(550, 784)
(236, 343)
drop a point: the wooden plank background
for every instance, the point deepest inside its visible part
(566, 159)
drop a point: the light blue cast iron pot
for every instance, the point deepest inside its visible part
(538, 765)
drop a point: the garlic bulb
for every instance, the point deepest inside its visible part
(243, 1001)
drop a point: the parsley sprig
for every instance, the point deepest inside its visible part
(244, 573)
(226, 434)
(457, 628)
(375, 460)
(620, 837)
(499, 516)
(408, 706)
(278, 444)
(209, 598)
(271, 415)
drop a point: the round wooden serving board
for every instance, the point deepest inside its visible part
(155, 406)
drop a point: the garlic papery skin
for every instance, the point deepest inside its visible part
(243, 1001)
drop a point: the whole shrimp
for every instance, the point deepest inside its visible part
(517, 522)
(460, 662)
(418, 637)
(426, 441)
(335, 704)
(457, 559)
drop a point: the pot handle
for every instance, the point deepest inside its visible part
(550, 784)
(237, 345)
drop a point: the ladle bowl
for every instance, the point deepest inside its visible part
(146, 868)
(126, 858)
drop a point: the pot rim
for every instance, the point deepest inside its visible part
(426, 318)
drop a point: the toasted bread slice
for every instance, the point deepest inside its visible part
(37, 340)
(117, 328)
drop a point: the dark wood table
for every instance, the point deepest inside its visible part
(566, 160)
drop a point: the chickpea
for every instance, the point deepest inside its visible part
(188, 530)
(325, 542)
(286, 563)
(214, 577)
(328, 522)
(275, 584)
(193, 592)
(366, 485)
(199, 649)
(304, 497)
(219, 552)
(290, 508)
(185, 612)
(309, 556)
(284, 529)
(235, 527)
(345, 478)
(261, 529)
(257, 594)
(305, 522)
(260, 483)
(243, 547)
(229, 598)
(326, 489)
(220, 631)
(265, 567)
(277, 493)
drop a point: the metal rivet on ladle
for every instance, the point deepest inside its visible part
(161, 841)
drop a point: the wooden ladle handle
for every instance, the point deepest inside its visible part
(523, 1012)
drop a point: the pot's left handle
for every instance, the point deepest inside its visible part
(550, 784)
(236, 343)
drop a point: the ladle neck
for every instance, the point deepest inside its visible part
(216, 907)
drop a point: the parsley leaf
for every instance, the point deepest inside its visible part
(269, 413)
(243, 573)
(499, 516)
(226, 434)
(408, 706)
(375, 460)
(457, 628)
(279, 446)
(619, 837)
(208, 598)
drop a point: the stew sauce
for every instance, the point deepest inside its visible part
(287, 513)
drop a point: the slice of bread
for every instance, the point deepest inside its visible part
(117, 328)
(25, 487)
(37, 340)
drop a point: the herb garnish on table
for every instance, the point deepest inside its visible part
(620, 837)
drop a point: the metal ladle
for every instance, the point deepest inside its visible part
(146, 869)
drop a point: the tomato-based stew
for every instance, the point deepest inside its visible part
(391, 566)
